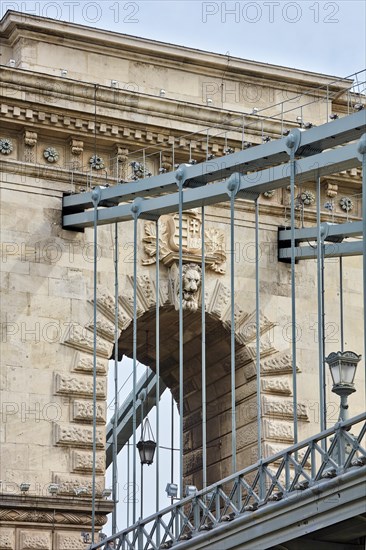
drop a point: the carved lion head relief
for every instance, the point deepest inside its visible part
(191, 281)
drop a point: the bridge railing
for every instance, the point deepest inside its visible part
(297, 468)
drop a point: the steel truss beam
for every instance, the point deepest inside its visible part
(332, 250)
(306, 489)
(249, 186)
(311, 143)
(125, 413)
(334, 233)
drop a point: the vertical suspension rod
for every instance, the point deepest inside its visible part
(172, 444)
(323, 333)
(157, 361)
(142, 466)
(341, 313)
(203, 343)
(362, 152)
(95, 199)
(134, 359)
(293, 291)
(128, 484)
(115, 419)
(258, 333)
(232, 333)
(320, 282)
(181, 367)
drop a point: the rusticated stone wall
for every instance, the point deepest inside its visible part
(46, 148)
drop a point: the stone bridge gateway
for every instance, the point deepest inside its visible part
(61, 136)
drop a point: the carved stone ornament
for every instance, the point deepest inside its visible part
(307, 197)
(76, 146)
(346, 204)
(96, 162)
(6, 146)
(331, 190)
(44, 516)
(51, 154)
(191, 279)
(30, 138)
(139, 170)
(121, 154)
(215, 254)
(268, 194)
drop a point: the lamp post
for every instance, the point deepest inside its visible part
(342, 365)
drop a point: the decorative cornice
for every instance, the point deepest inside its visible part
(75, 505)
(117, 124)
(58, 518)
(14, 25)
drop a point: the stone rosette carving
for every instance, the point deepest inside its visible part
(268, 194)
(51, 154)
(96, 162)
(307, 198)
(6, 146)
(192, 242)
(346, 204)
(139, 170)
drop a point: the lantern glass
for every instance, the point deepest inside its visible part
(342, 367)
(348, 372)
(335, 371)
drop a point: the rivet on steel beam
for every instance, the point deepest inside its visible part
(361, 148)
(233, 183)
(136, 207)
(293, 140)
(96, 195)
(180, 174)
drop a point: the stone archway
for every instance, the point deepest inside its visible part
(277, 408)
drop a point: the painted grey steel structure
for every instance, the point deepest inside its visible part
(285, 496)
(313, 160)
(125, 413)
(296, 159)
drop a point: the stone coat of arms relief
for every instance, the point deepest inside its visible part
(215, 254)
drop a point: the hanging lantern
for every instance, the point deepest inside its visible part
(146, 446)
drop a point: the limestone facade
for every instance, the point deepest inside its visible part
(52, 143)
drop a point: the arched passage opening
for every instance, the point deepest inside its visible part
(218, 389)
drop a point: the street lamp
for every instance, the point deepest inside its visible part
(342, 365)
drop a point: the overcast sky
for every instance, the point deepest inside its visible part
(323, 36)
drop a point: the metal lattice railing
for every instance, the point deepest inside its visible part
(325, 455)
